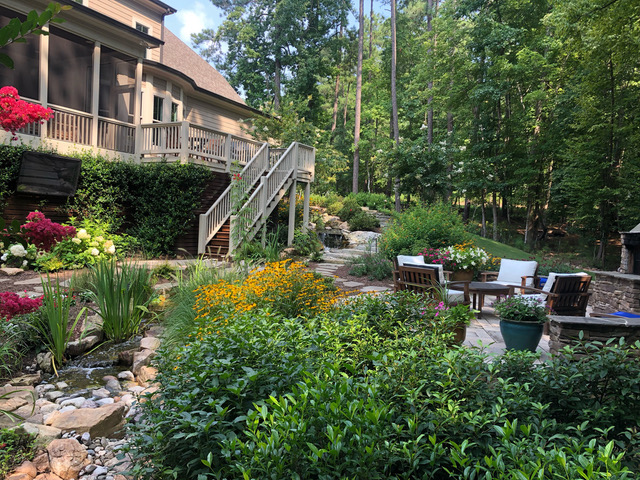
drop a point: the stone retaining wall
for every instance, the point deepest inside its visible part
(565, 331)
(612, 291)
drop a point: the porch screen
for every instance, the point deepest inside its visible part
(26, 58)
(48, 174)
(117, 85)
(70, 70)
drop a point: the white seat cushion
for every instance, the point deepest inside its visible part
(440, 269)
(512, 271)
(404, 260)
(552, 278)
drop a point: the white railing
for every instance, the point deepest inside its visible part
(274, 155)
(115, 135)
(254, 212)
(161, 139)
(242, 150)
(206, 144)
(306, 159)
(217, 215)
(70, 125)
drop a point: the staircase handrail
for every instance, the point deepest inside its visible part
(219, 212)
(270, 185)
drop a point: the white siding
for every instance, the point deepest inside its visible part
(214, 117)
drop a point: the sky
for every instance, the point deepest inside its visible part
(193, 16)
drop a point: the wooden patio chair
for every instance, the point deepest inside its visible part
(566, 294)
(425, 280)
(418, 261)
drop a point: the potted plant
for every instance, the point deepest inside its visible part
(452, 320)
(464, 260)
(521, 321)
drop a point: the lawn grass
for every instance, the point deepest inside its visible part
(501, 250)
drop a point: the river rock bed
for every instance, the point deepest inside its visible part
(81, 430)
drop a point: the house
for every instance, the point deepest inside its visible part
(123, 85)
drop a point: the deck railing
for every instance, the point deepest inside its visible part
(70, 125)
(115, 135)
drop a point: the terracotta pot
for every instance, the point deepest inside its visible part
(460, 333)
(462, 276)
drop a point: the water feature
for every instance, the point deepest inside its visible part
(86, 371)
(332, 238)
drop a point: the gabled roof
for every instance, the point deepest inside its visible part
(177, 55)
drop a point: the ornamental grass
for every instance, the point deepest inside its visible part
(284, 287)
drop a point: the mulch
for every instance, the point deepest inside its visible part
(9, 286)
(343, 272)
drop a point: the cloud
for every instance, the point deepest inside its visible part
(194, 20)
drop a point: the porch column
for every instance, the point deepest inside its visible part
(292, 212)
(95, 94)
(305, 208)
(44, 77)
(137, 111)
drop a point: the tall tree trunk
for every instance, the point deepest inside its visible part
(430, 83)
(356, 136)
(394, 98)
(346, 106)
(449, 191)
(276, 85)
(483, 230)
(370, 33)
(495, 215)
(334, 123)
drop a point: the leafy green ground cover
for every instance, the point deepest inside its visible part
(371, 389)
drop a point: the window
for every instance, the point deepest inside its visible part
(142, 28)
(174, 112)
(158, 106)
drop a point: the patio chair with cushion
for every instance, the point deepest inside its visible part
(513, 273)
(425, 280)
(418, 261)
(566, 294)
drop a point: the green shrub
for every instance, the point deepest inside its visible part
(375, 201)
(17, 446)
(374, 266)
(363, 221)
(435, 226)
(306, 243)
(335, 208)
(350, 209)
(324, 200)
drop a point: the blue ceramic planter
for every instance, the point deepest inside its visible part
(521, 335)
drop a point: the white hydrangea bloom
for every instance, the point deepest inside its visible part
(76, 240)
(95, 252)
(83, 235)
(17, 250)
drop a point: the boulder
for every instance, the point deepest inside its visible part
(126, 357)
(27, 468)
(126, 375)
(11, 272)
(154, 331)
(45, 434)
(99, 422)
(152, 343)
(41, 462)
(45, 362)
(362, 238)
(16, 397)
(84, 344)
(19, 476)
(67, 458)
(26, 380)
(147, 374)
(141, 359)
(47, 476)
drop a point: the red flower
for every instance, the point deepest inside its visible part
(16, 114)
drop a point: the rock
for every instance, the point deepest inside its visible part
(90, 468)
(45, 387)
(154, 330)
(105, 401)
(41, 462)
(78, 347)
(128, 399)
(89, 404)
(62, 385)
(67, 458)
(113, 386)
(11, 272)
(49, 407)
(16, 397)
(53, 395)
(126, 375)
(152, 343)
(47, 476)
(362, 238)
(19, 476)
(26, 380)
(76, 402)
(100, 471)
(27, 468)
(126, 357)
(68, 408)
(142, 359)
(86, 438)
(45, 434)
(93, 326)
(99, 422)
(101, 392)
(45, 362)
(147, 374)
(136, 389)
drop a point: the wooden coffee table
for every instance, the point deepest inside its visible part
(480, 289)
